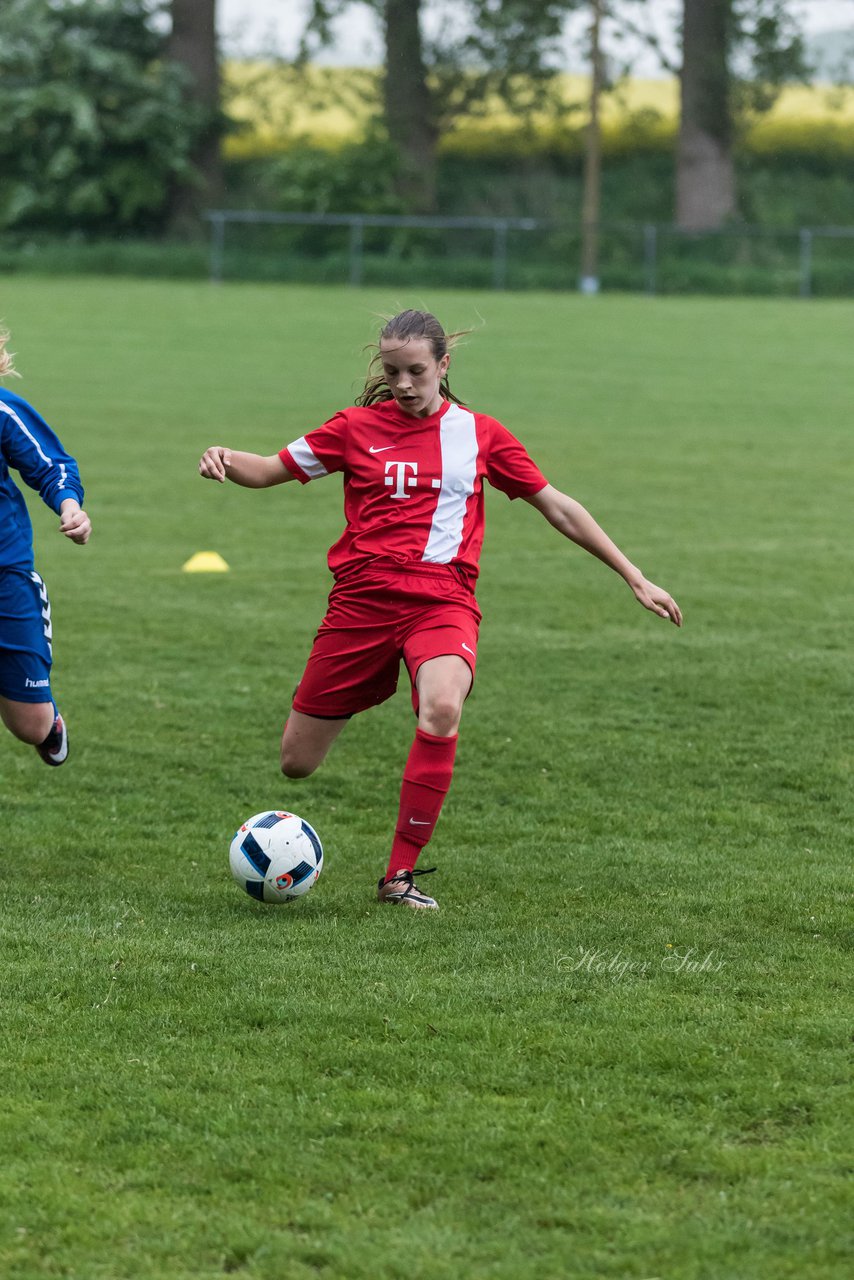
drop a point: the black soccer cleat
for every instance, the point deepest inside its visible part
(402, 890)
(54, 749)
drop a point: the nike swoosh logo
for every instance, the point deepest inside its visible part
(382, 449)
(467, 649)
(413, 822)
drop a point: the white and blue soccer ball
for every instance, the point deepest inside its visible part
(276, 856)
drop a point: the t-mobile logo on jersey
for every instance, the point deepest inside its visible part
(396, 474)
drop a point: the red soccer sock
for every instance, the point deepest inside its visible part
(426, 781)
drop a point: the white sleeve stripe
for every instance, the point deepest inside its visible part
(29, 435)
(306, 460)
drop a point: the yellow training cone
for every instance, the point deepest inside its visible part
(206, 562)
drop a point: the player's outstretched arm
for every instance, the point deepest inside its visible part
(248, 469)
(577, 524)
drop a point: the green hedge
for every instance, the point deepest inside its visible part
(548, 261)
(179, 260)
(776, 188)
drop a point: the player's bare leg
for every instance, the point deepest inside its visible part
(29, 721)
(305, 743)
(40, 725)
(442, 684)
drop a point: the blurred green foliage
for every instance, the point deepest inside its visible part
(795, 175)
(358, 177)
(93, 123)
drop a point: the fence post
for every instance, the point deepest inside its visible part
(357, 243)
(217, 247)
(499, 256)
(650, 257)
(806, 237)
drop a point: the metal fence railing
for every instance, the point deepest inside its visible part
(504, 253)
(357, 223)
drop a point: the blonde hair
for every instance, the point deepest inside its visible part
(405, 327)
(7, 368)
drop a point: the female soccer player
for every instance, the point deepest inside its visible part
(414, 459)
(28, 444)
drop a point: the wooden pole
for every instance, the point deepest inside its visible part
(592, 180)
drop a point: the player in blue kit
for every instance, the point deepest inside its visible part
(29, 446)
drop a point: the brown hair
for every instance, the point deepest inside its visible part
(6, 357)
(406, 327)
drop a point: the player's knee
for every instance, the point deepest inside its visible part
(295, 765)
(24, 733)
(29, 722)
(440, 715)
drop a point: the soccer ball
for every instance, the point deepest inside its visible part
(276, 856)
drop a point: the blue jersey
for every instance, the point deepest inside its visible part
(28, 444)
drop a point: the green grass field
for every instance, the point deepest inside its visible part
(620, 1050)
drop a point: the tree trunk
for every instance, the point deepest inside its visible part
(705, 178)
(409, 105)
(192, 43)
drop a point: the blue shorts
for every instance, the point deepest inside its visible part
(25, 636)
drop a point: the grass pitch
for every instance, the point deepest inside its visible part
(620, 1049)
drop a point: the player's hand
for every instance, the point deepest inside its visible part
(214, 463)
(657, 600)
(74, 523)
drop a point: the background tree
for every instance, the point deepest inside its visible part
(705, 174)
(489, 52)
(192, 44)
(94, 125)
(736, 55)
(410, 109)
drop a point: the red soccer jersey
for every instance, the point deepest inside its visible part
(413, 487)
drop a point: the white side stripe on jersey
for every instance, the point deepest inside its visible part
(308, 461)
(11, 412)
(48, 625)
(458, 443)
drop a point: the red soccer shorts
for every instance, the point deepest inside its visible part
(376, 618)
